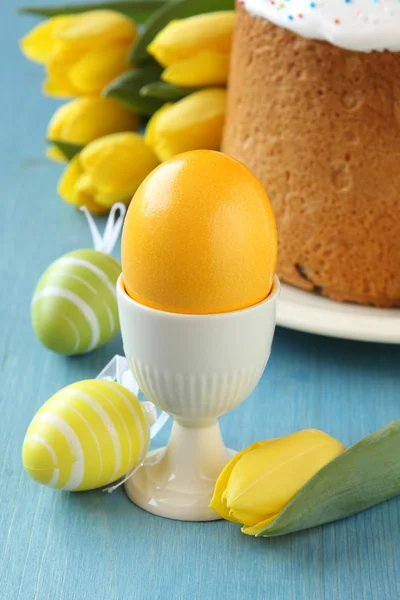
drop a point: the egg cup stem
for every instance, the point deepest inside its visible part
(178, 481)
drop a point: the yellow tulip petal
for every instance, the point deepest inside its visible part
(152, 137)
(256, 529)
(96, 28)
(78, 188)
(68, 181)
(184, 38)
(108, 199)
(84, 184)
(267, 478)
(55, 154)
(205, 68)
(218, 501)
(59, 89)
(91, 73)
(60, 62)
(56, 124)
(195, 122)
(85, 119)
(63, 54)
(39, 42)
(250, 519)
(85, 190)
(97, 117)
(119, 162)
(92, 206)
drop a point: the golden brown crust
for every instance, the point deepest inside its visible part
(320, 127)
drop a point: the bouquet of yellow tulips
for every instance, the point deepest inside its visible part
(159, 66)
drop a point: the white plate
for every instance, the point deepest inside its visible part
(305, 311)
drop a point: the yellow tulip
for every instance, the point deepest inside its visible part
(82, 52)
(85, 119)
(195, 50)
(183, 38)
(195, 122)
(205, 68)
(259, 482)
(107, 170)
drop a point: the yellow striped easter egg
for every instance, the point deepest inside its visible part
(86, 436)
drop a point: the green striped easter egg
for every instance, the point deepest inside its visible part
(74, 307)
(88, 435)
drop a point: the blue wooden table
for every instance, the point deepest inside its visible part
(60, 546)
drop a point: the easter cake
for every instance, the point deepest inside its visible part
(314, 111)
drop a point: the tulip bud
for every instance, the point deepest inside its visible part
(82, 52)
(106, 171)
(183, 38)
(259, 482)
(205, 68)
(195, 50)
(85, 119)
(194, 123)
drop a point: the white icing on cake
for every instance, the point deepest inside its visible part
(363, 25)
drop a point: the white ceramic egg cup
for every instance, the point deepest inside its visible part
(196, 368)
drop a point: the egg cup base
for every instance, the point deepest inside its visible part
(179, 485)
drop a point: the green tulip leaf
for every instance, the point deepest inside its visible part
(126, 89)
(139, 10)
(175, 9)
(364, 475)
(166, 91)
(69, 150)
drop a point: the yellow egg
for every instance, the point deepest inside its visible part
(86, 436)
(199, 237)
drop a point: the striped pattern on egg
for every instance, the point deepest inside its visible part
(86, 436)
(74, 307)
